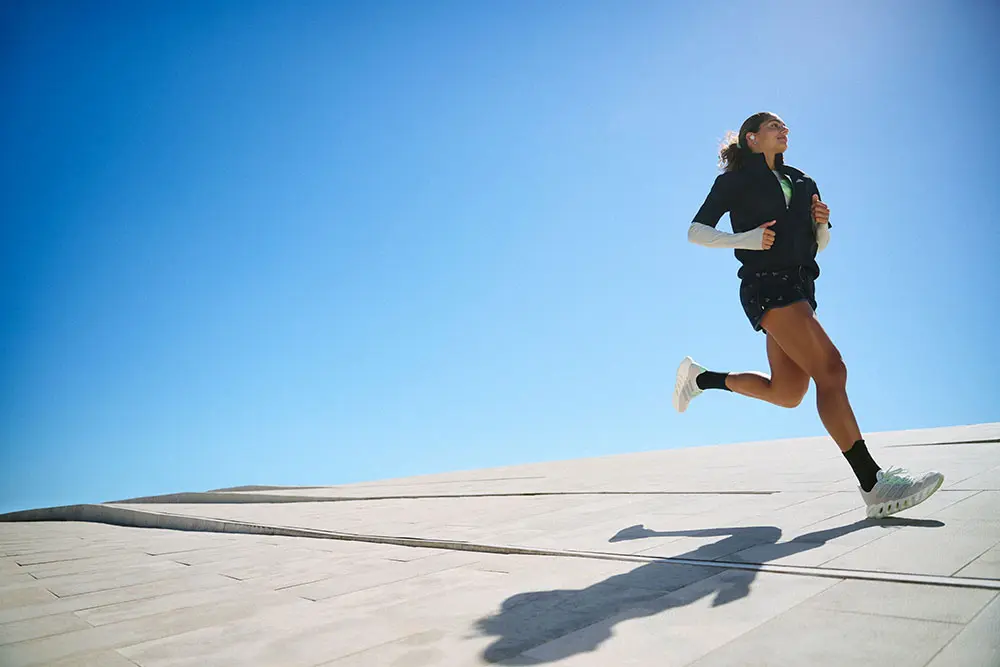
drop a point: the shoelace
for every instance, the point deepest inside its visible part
(895, 483)
(896, 475)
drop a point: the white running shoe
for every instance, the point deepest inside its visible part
(897, 490)
(685, 387)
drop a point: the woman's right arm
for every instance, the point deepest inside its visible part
(718, 202)
(710, 237)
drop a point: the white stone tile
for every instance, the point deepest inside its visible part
(980, 505)
(986, 566)
(150, 606)
(251, 568)
(43, 651)
(917, 601)
(122, 560)
(380, 574)
(50, 604)
(276, 637)
(175, 546)
(984, 481)
(983, 527)
(822, 638)
(941, 551)
(8, 565)
(77, 584)
(977, 644)
(77, 551)
(16, 580)
(228, 554)
(96, 659)
(426, 648)
(456, 585)
(21, 597)
(40, 627)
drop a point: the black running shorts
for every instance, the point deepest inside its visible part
(762, 290)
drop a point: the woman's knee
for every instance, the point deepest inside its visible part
(831, 371)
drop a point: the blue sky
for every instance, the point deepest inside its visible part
(323, 242)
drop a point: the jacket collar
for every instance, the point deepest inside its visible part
(757, 162)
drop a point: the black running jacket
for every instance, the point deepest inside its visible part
(752, 196)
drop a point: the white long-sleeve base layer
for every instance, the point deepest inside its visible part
(710, 237)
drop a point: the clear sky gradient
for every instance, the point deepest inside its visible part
(301, 243)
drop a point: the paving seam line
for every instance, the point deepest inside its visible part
(134, 518)
(235, 498)
(985, 441)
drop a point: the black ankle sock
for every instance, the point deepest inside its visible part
(712, 380)
(863, 464)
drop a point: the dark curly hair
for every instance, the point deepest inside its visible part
(733, 151)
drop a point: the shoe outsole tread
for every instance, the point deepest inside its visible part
(682, 378)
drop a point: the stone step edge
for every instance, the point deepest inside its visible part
(136, 518)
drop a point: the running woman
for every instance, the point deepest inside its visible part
(779, 225)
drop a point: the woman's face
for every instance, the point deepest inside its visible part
(772, 137)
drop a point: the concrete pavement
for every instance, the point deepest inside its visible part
(748, 554)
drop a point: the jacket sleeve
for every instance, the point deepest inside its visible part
(717, 203)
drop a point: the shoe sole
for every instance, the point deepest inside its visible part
(882, 510)
(681, 379)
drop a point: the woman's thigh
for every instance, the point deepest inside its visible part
(799, 334)
(787, 377)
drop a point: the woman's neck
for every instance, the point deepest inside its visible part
(769, 157)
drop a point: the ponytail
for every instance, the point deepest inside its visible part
(730, 153)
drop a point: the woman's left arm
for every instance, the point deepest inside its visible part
(821, 221)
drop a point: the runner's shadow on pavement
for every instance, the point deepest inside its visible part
(528, 620)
